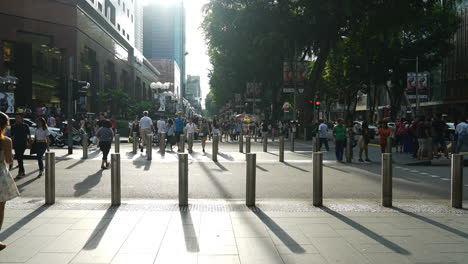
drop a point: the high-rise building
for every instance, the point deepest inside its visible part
(164, 34)
(96, 37)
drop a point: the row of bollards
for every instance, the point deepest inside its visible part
(317, 175)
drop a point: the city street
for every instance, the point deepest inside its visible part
(158, 179)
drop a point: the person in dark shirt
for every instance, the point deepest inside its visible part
(21, 137)
(439, 128)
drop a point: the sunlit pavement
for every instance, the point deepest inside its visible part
(220, 231)
(216, 227)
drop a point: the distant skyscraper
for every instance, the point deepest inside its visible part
(164, 34)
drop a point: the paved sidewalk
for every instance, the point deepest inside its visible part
(220, 231)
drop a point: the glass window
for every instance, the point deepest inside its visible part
(128, 13)
(100, 7)
(118, 27)
(123, 7)
(132, 18)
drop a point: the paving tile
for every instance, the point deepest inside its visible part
(98, 255)
(215, 259)
(176, 258)
(13, 235)
(24, 248)
(318, 230)
(69, 241)
(304, 259)
(296, 249)
(257, 250)
(90, 223)
(387, 258)
(337, 250)
(225, 238)
(142, 242)
(139, 258)
(51, 258)
(50, 230)
(250, 230)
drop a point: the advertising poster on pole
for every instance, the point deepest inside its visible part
(294, 75)
(420, 82)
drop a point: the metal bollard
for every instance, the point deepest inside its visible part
(241, 143)
(388, 148)
(349, 149)
(115, 179)
(182, 143)
(162, 142)
(387, 175)
(149, 147)
(50, 178)
(135, 142)
(215, 148)
(183, 179)
(291, 140)
(314, 144)
(190, 142)
(265, 143)
(251, 179)
(317, 178)
(247, 144)
(255, 134)
(281, 149)
(456, 194)
(273, 134)
(85, 146)
(117, 143)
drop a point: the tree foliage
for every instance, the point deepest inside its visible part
(248, 40)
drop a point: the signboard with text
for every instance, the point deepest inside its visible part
(418, 81)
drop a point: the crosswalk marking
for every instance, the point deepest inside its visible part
(445, 179)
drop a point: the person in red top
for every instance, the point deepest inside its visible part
(384, 132)
(400, 133)
(113, 122)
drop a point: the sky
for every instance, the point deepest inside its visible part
(197, 61)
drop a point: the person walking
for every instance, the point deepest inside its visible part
(51, 121)
(190, 128)
(21, 137)
(339, 133)
(135, 127)
(204, 131)
(323, 135)
(422, 134)
(105, 135)
(161, 126)
(400, 134)
(264, 130)
(41, 142)
(461, 132)
(439, 128)
(171, 140)
(363, 142)
(179, 128)
(146, 127)
(384, 132)
(8, 189)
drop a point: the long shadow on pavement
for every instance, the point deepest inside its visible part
(295, 167)
(87, 184)
(189, 231)
(287, 240)
(389, 244)
(434, 223)
(261, 168)
(25, 220)
(100, 230)
(225, 193)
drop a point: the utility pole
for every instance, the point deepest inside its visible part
(417, 85)
(70, 105)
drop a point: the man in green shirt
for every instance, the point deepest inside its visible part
(339, 133)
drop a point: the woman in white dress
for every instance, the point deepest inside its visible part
(8, 189)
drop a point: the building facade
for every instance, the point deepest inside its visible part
(164, 34)
(193, 91)
(46, 41)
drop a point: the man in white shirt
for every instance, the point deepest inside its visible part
(161, 125)
(146, 127)
(190, 130)
(323, 135)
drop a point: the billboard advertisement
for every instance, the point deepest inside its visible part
(295, 74)
(418, 81)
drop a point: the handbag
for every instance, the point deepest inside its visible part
(33, 148)
(361, 143)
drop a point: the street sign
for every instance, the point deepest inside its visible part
(288, 90)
